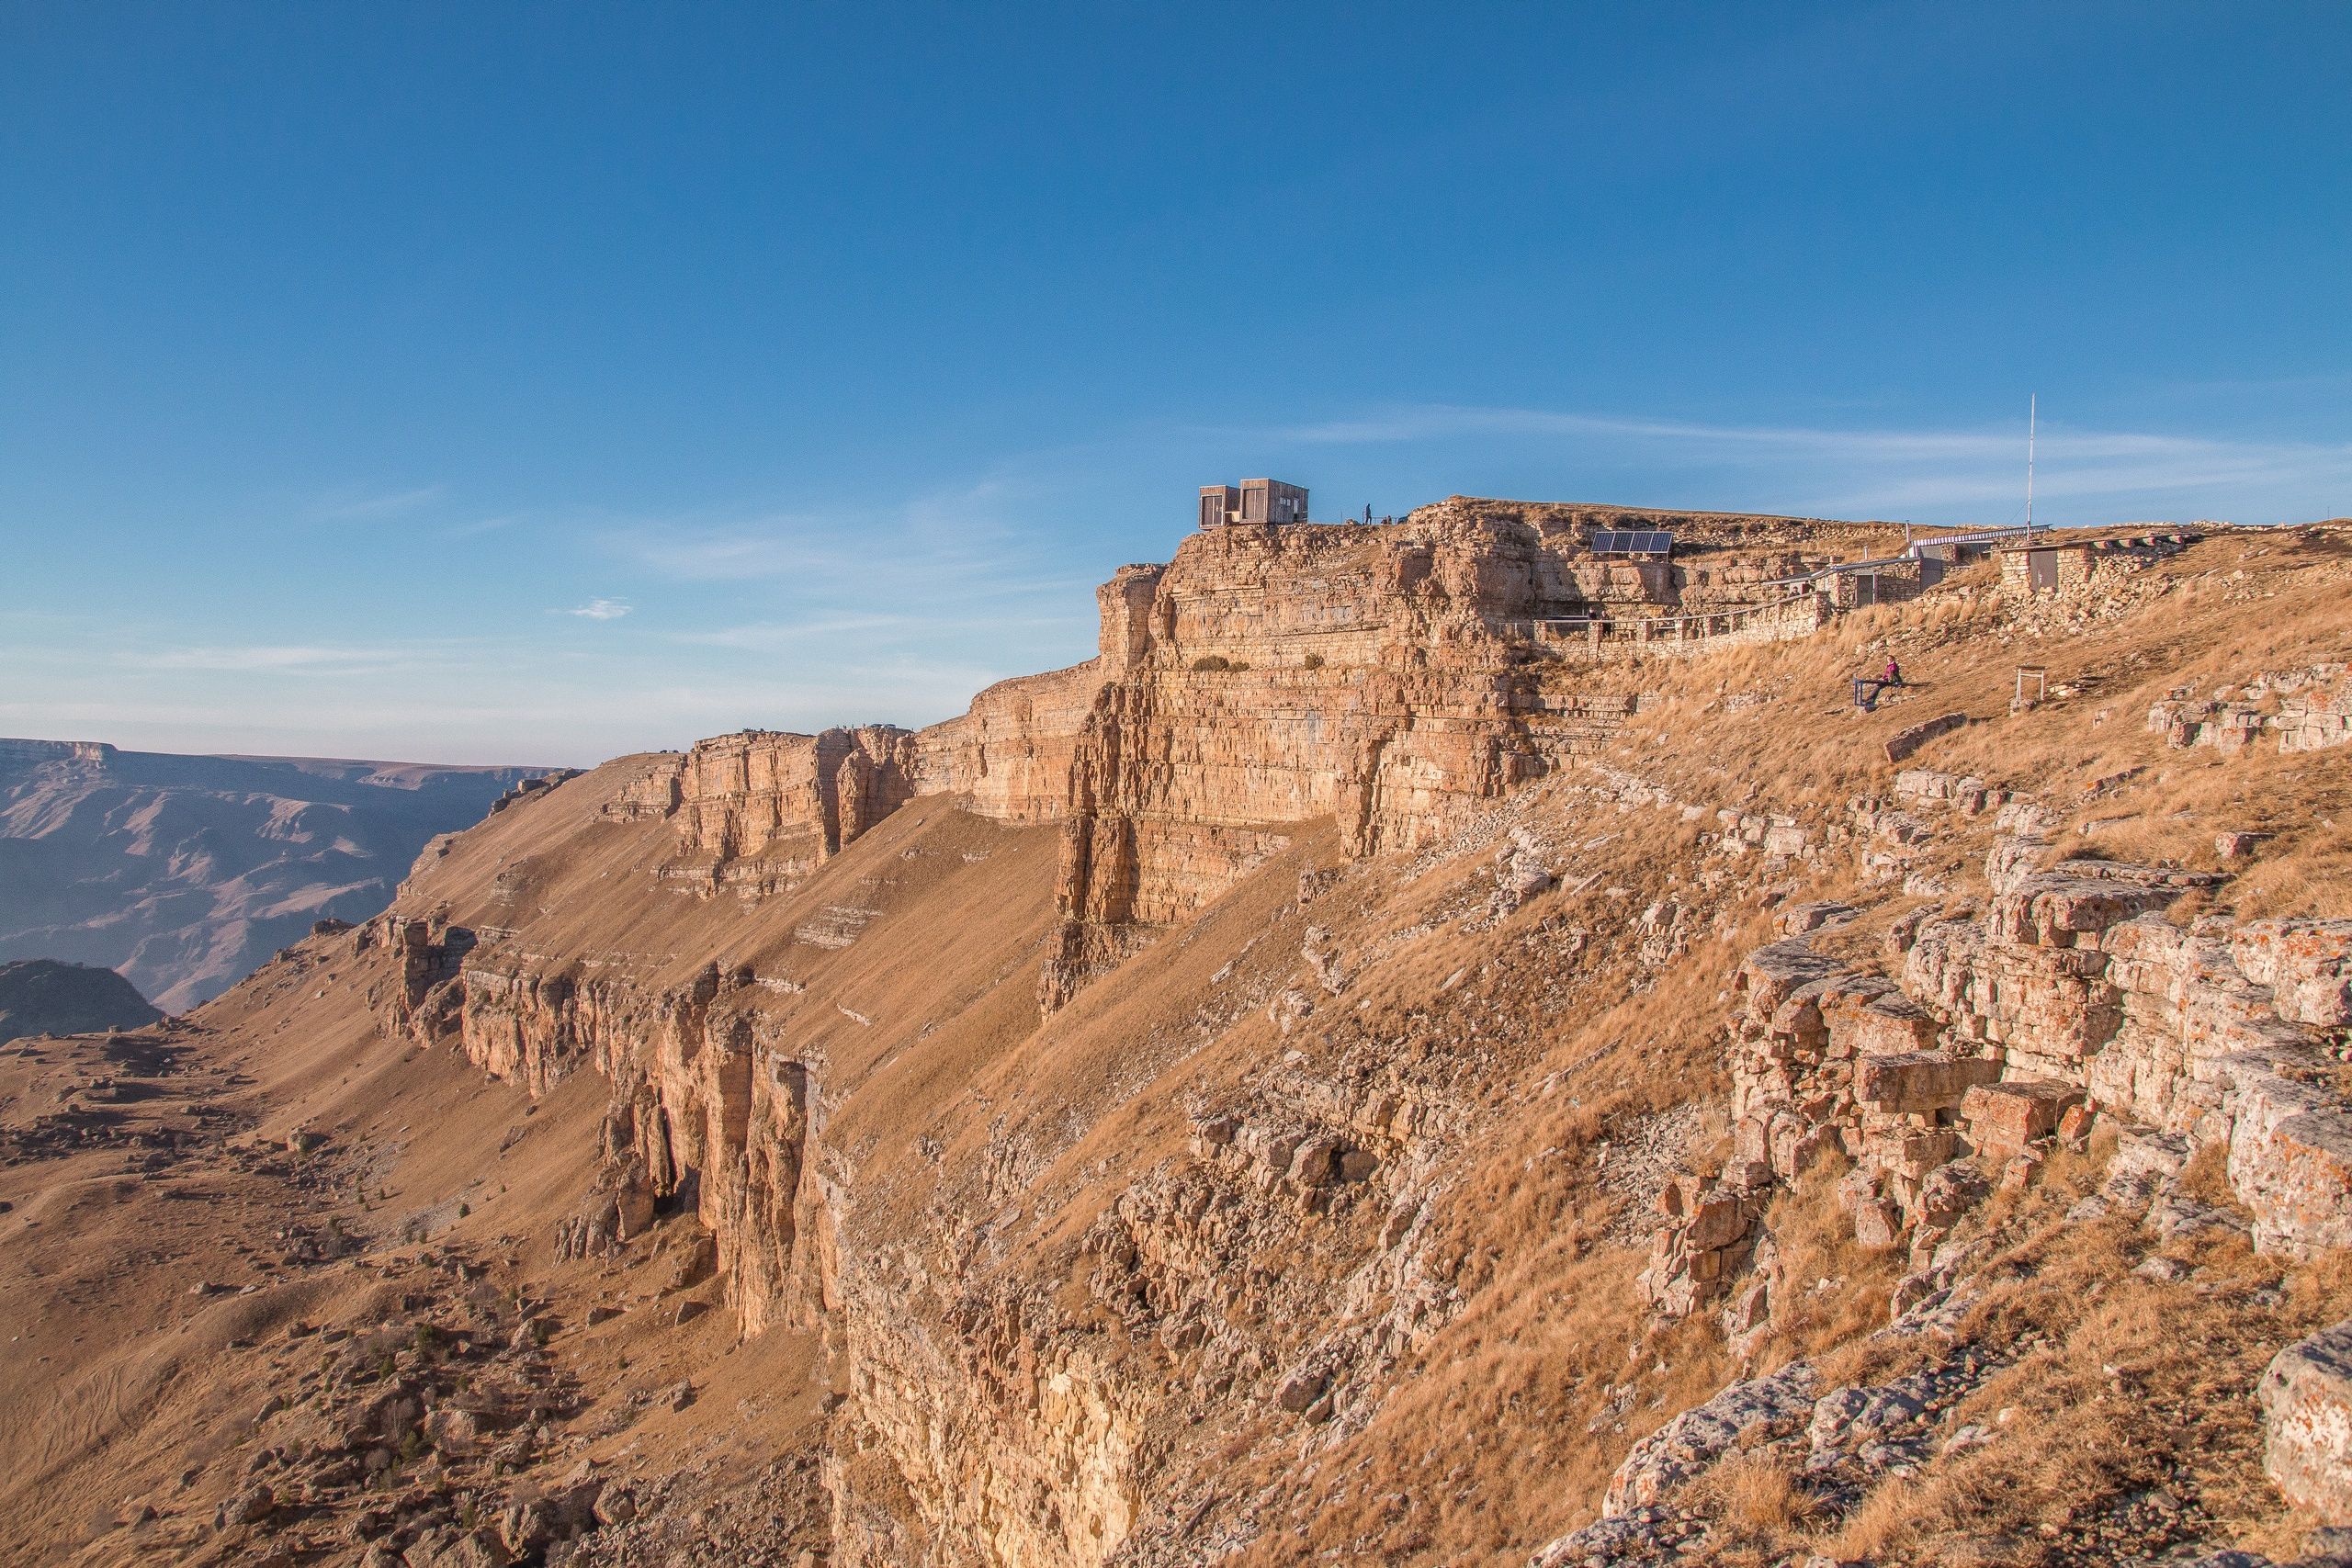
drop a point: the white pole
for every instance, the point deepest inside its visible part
(2032, 407)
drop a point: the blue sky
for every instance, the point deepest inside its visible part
(540, 382)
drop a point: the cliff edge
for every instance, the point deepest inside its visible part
(1438, 1045)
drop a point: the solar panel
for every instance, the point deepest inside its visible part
(1633, 542)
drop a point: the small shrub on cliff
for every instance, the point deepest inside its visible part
(1218, 661)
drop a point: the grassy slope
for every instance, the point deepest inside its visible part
(1541, 1037)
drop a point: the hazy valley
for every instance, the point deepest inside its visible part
(184, 872)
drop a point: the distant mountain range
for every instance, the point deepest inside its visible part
(184, 873)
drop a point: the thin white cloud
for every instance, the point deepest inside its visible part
(373, 501)
(271, 657)
(264, 661)
(876, 630)
(959, 545)
(1880, 470)
(481, 526)
(761, 548)
(599, 610)
(2060, 444)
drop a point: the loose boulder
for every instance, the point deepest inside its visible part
(2306, 1396)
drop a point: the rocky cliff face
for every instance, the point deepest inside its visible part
(1389, 682)
(759, 810)
(1495, 1096)
(1393, 680)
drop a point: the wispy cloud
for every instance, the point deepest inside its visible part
(261, 661)
(870, 630)
(481, 525)
(273, 658)
(952, 547)
(775, 546)
(1878, 469)
(362, 500)
(599, 610)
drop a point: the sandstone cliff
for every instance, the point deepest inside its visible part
(1518, 1077)
(1390, 679)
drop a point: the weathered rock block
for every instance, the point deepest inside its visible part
(1920, 1081)
(2306, 963)
(2290, 1155)
(2051, 909)
(1743, 1415)
(2306, 1396)
(2004, 1118)
(1905, 742)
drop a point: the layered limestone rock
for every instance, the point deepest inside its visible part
(1012, 1442)
(1394, 678)
(2308, 710)
(708, 1108)
(2071, 995)
(757, 811)
(2306, 1396)
(1114, 1286)
(1010, 754)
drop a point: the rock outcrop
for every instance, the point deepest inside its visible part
(1395, 680)
(758, 810)
(38, 997)
(2308, 710)
(1411, 907)
(2306, 1396)
(2071, 1001)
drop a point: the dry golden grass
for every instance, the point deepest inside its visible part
(1759, 1502)
(1499, 1428)
(1519, 1377)
(1836, 1289)
(1806, 751)
(2118, 1385)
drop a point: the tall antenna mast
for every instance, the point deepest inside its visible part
(2032, 407)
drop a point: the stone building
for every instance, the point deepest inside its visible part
(1253, 501)
(2075, 566)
